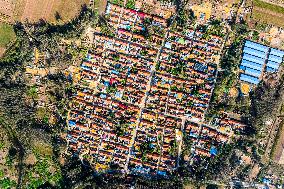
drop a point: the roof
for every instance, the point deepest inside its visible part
(275, 58)
(255, 55)
(277, 52)
(250, 71)
(249, 79)
(254, 52)
(252, 65)
(269, 69)
(253, 58)
(272, 64)
(256, 46)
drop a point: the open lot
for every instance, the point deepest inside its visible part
(267, 13)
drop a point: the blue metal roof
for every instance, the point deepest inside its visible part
(272, 64)
(275, 58)
(254, 52)
(255, 56)
(256, 46)
(277, 52)
(249, 79)
(251, 65)
(252, 72)
(253, 59)
(269, 69)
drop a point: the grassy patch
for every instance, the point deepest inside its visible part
(42, 173)
(32, 92)
(6, 34)
(42, 149)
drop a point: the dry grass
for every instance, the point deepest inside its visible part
(33, 10)
(67, 9)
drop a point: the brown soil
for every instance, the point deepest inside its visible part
(2, 50)
(254, 172)
(31, 159)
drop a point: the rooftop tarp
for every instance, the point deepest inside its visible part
(251, 65)
(253, 59)
(254, 52)
(256, 46)
(249, 79)
(277, 52)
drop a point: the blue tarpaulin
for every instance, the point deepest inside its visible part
(106, 83)
(72, 123)
(213, 151)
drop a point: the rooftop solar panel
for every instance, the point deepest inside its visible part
(254, 52)
(277, 52)
(249, 79)
(253, 59)
(256, 46)
(251, 65)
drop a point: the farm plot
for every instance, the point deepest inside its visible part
(51, 10)
(267, 13)
(278, 147)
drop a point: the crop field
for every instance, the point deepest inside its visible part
(6, 10)
(278, 150)
(267, 13)
(6, 34)
(51, 10)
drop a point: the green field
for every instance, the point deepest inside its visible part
(268, 13)
(6, 34)
(268, 6)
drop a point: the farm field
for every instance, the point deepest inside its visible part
(6, 35)
(6, 10)
(48, 9)
(267, 13)
(33, 10)
(278, 150)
